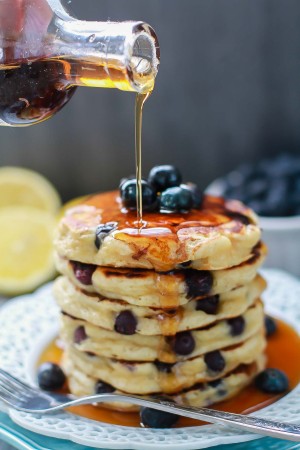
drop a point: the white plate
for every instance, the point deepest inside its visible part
(28, 323)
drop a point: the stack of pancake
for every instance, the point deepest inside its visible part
(171, 309)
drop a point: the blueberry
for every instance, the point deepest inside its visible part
(258, 206)
(237, 325)
(153, 418)
(164, 367)
(272, 381)
(164, 177)
(103, 388)
(214, 361)
(198, 282)
(270, 325)
(209, 305)
(275, 203)
(185, 264)
(103, 230)
(183, 343)
(123, 180)
(196, 194)
(240, 194)
(257, 187)
(283, 165)
(83, 272)
(125, 323)
(50, 377)
(176, 199)
(238, 217)
(128, 194)
(79, 335)
(214, 383)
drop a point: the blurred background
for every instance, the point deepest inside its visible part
(227, 92)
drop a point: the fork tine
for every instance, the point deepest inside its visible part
(11, 386)
(18, 384)
(8, 387)
(8, 394)
(19, 391)
(7, 375)
(5, 398)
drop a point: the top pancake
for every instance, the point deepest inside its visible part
(221, 234)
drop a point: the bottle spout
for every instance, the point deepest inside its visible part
(126, 53)
(138, 54)
(141, 57)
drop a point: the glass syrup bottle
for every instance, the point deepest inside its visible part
(45, 54)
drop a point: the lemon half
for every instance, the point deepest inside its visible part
(26, 249)
(19, 186)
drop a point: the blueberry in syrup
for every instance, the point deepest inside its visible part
(183, 343)
(272, 381)
(196, 194)
(164, 177)
(50, 377)
(83, 272)
(237, 325)
(209, 305)
(270, 325)
(102, 231)
(103, 388)
(128, 193)
(214, 361)
(79, 335)
(153, 418)
(176, 199)
(125, 323)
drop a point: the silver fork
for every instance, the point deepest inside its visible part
(19, 395)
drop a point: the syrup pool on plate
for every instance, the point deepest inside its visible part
(283, 352)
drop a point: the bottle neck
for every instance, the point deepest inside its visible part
(123, 55)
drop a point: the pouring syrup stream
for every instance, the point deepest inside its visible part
(139, 103)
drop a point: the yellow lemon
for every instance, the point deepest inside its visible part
(19, 186)
(26, 236)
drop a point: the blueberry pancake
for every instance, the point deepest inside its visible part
(156, 377)
(160, 289)
(201, 394)
(104, 312)
(125, 344)
(219, 234)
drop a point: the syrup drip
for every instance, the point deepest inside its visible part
(169, 321)
(163, 351)
(283, 352)
(168, 290)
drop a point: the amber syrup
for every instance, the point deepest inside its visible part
(33, 91)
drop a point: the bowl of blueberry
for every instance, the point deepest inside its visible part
(271, 188)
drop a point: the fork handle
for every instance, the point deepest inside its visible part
(253, 424)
